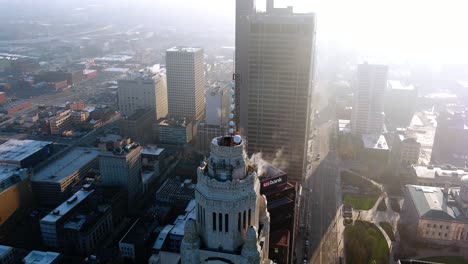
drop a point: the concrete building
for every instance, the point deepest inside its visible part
(176, 132)
(121, 167)
(143, 90)
(232, 223)
(451, 139)
(53, 183)
(25, 153)
(205, 134)
(138, 125)
(134, 245)
(438, 176)
(152, 164)
(217, 104)
(185, 82)
(14, 191)
(60, 122)
(6, 255)
(52, 223)
(437, 215)
(40, 257)
(375, 147)
(368, 103)
(400, 99)
(404, 150)
(275, 54)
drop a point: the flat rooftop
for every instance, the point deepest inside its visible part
(184, 49)
(152, 151)
(162, 237)
(374, 142)
(41, 257)
(398, 85)
(431, 172)
(179, 223)
(17, 150)
(67, 206)
(431, 204)
(5, 249)
(69, 164)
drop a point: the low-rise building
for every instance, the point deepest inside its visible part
(375, 147)
(53, 184)
(176, 132)
(52, 222)
(6, 255)
(40, 257)
(60, 122)
(439, 176)
(138, 125)
(14, 191)
(25, 153)
(437, 215)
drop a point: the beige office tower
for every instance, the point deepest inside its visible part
(143, 90)
(185, 82)
(274, 80)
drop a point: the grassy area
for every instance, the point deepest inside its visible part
(448, 260)
(382, 206)
(388, 229)
(364, 243)
(369, 193)
(359, 202)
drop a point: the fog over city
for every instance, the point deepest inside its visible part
(233, 131)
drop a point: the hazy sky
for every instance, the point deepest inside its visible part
(431, 30)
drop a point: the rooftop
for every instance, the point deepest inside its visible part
(430, 204)
(67, 206)
(179, 223)
(40, 257)
(398, 85)
(5, 249)
(374, 142)
(10, 175)
(183, 49)
(152, 151)
(431, 172)
(16, 150)
(162, 237)
(69, 164)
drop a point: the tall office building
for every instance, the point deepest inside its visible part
(185, 82)
(274, 80)
(368, 108)
(121, 167)
(145, 90)
(232, 224)
(451, 140)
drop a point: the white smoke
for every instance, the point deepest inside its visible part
(279, 161)
(259, 163)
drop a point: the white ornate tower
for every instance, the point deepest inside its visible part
(232, 223)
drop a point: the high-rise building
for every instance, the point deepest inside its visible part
(144, 90)
(217, 105)
(274, 80)
(368, 109)
(451, 140)
(232, 223)
(185, 82)
(121, 167)
(400, 101)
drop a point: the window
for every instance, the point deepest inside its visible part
(440, 226)
(249, 218)
(239, 222)
(226, 223)
(214, 221)
(434, 226)
(439, 234)
(447, 227)
(220, 222)
(445, 235)
(428, 225)
(244, 220)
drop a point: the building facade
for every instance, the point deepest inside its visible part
(368, 103)
(451, 140)
(217, 104)
(437, 215)
(175, 132)
(275, 54)
(232, 223)
(185, 82)
(122, 168)
(144, 90)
